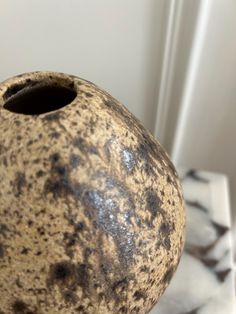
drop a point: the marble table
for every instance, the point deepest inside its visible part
(204, 280)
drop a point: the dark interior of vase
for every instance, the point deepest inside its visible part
(40, 99)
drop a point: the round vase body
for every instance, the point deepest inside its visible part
(91, 209)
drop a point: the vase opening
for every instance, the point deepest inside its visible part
(39, 99)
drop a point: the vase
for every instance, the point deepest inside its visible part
(91, 208)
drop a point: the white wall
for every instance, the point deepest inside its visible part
(181, 26)
(116, 44)
(205, 136)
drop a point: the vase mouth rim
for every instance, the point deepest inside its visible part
(23, 83)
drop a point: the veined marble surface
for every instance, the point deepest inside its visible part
(204, 280)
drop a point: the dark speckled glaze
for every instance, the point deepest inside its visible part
(92, 214)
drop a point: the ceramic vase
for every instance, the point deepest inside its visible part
(91, 208)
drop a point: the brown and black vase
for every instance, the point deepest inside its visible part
(91, 208)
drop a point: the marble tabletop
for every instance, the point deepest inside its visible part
(204, 280)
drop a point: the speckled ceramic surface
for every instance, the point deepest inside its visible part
(92, 215)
